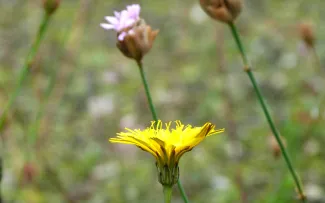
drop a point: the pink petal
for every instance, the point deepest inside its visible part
(117, 14)
(121, 36)
(107, 26)
(134, 10)
(129, 22)
(125, 20)
(112, 20)
(124, 14)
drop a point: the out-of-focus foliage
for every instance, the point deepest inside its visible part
(195, 75)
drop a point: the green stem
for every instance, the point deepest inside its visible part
(168, 194)
(22, 76)
(25, 69)
(181, 189)
(146, 87)
(154, 116)
(34, 127)
(266, 112)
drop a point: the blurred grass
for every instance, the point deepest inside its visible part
(98, 92)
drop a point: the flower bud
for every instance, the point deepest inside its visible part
(274, 145)
(138, 41)
(222, 10)
(50, 6)
(307, 34)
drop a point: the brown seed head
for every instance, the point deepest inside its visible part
(223, 10)
(307, 34)
(50, 6)
(138, 41)
(274, 145)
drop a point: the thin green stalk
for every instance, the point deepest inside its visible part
(25, 69)
(22, 76)
(168, 194)
(266, 112)
(34, 127)
(154, 116)
(146, 87)
(181, 189)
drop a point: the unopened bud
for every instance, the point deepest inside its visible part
(50, 6)
(307, 34)
(274, 145)
(223, 10)
(138, 41)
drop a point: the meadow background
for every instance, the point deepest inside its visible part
(195, 75)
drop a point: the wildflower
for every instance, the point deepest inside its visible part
(134, 36)
(167, 145)
(222, 10)
(122, 20)
(50, 6)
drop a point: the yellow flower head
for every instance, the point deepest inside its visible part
(167, 145)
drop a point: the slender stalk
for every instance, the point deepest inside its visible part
(168, 194)
(146, 87)
(154, 116)
(181, 189)
(34, 127)
(25, 69)
(266, 112)
(22, 76)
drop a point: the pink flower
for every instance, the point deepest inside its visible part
(122, 20)
(134, 37)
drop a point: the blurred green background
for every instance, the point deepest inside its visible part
(195, 75)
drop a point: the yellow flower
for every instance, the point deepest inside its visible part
(167, 145)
